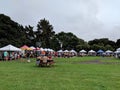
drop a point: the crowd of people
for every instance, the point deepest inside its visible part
(8, 55)
(5, 56)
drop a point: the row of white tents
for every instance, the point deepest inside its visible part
(13, 48)
(84, 51)
(94, 53)
(66, 51)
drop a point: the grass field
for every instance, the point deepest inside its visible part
(77, 73)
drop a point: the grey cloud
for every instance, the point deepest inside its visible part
(84, 18)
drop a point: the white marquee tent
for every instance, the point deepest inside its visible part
(83, 51)
(66, 51)
(92, 53)
(108, 51)
(73, 51)
(118, 49)
(9, 48)
(60, 51)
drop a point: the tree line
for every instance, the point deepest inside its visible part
(44, 36)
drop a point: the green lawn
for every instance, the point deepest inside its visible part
(66, 74)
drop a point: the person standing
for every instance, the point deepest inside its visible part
(5, 55)
(28, 56)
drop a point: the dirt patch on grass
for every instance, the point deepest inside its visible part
(97, 62)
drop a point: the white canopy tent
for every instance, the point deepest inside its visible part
(83, 51)
(73, 51)
(117, 52)
(92, 53)
(48, 49)
(9, 48)
(32, 47)
(118, 49)
(66, 51)
(60, 51)
(108, 51)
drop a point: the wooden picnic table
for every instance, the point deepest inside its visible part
(44, 61)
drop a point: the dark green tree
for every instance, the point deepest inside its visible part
(109, 47)
(54, 43)
(10, 31)
(44, 33)
(96, 47)
(84, 46)
(69, 40)
(103, 43)
(30, 35)
(118, 43)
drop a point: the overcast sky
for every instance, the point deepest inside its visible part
(87, 19)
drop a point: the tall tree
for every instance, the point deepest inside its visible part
(69, 40)
(54, 43)
(10, 32)
(30, 35)
(44, 33)
(103, 43)
(118, 43)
